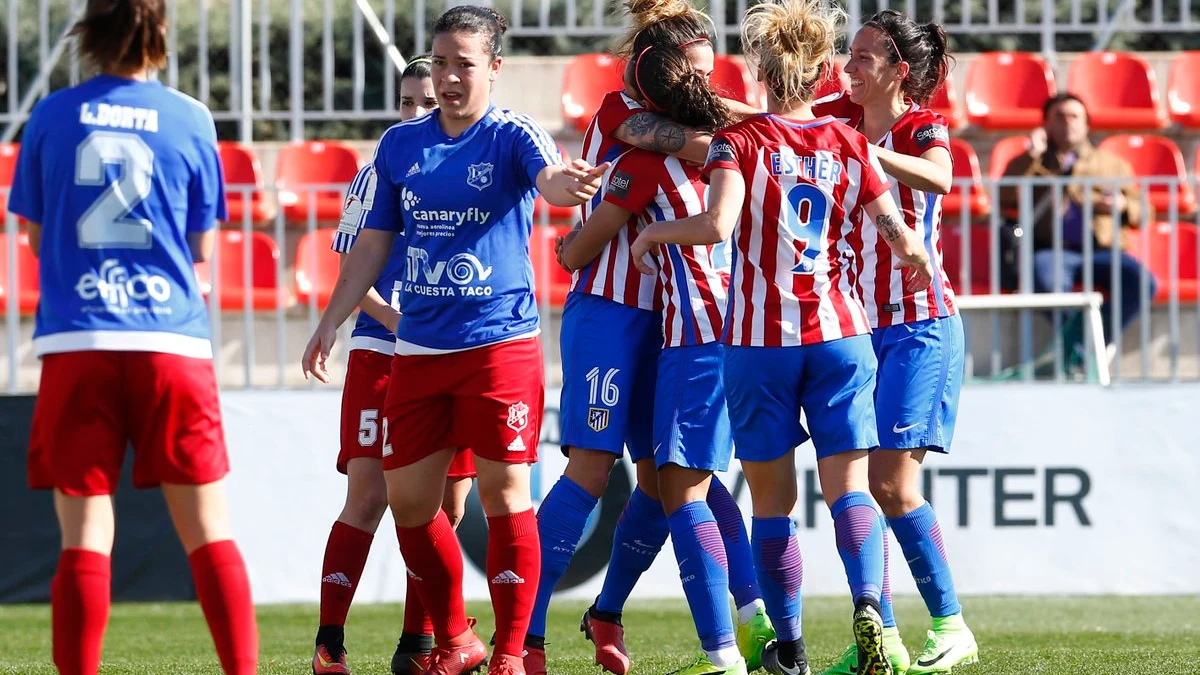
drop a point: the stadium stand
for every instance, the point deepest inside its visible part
(1006, 90)
(557, 214)
(837, 81)
(541, 252)
(587, 78)
(242, 168)
(732, 79)
(262, 287)
(317, 267)
(27, 274)
(945, 103)
(1119, 89)
(966, 166)
(952, 259)
(1183, 90)
(1153, 247)
(1155, 157)
(314, 163)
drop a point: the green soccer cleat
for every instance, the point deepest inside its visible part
(752, 636)
(847, 663)
(868, 635)
(703, 666)
(949, 644)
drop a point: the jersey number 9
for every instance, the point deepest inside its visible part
(106, 223)
(808, 211)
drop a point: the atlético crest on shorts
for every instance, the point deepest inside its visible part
(518, 417)
(598, 419)
(479, 176)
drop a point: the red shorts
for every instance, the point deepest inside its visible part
(488, 399)
(91, 405)
(363, 397)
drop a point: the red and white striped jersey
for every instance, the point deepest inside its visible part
(880, 286)
(693, 279)
(612, 274)
(804, 180)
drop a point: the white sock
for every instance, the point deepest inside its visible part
(724, 657)
(748, 611)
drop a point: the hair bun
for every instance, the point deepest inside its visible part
(497, 17)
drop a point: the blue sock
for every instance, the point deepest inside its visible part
(856, 526)
(561, 519)
(705, 573)
(885, 596)
(780, 573)
(641, 533)
(743, 579)
(920, 538)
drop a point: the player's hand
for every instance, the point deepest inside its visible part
(639, 250)
(393, 322)
(560, 245)
(316, 354)
(917, 271)
(587, 179)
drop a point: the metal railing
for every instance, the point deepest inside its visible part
(261, 331)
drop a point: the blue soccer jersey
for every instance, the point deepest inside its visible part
(369, 333)
(117, 173)
(465, 206)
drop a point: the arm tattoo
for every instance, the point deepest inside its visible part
(891, 228)
(656, 133)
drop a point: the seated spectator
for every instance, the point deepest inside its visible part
(1062, 148)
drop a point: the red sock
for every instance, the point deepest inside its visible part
(223, 589)
(416, 619)
(514, 561)
(345, 557)
(435, 564)
(79, 598)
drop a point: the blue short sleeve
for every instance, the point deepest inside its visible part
(382, 198)
(25, 197)
(206, 193)
(534, 148)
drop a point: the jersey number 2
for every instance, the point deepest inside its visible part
(106, 223)
(807, 221)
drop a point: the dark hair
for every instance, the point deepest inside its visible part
(1059, 99)
(477, 20)
(922, 47)
(123, 34)
(662, 23)
(665, 78)
(419, 67)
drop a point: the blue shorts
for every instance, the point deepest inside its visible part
(832, 382)
(919, 380)
(691, 420)
(609, 360)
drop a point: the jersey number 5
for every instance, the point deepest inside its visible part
(807, 221)
(106, 223)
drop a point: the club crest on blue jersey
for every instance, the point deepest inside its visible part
(479, 176)
(598, 419)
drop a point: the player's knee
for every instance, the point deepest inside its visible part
(589, 469)
(504, 501)
(895, 497)
(365, 509)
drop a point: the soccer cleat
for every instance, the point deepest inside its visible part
(330, 660)
(753, 636)
(535, 655)
(505, 664)
(949, 644)
(409, 663)
(771, 663)
(868, 635)
(605, 631)
(704, 666)
(847, 663)
(468, 658)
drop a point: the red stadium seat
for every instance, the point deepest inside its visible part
(1158, 258)
(556, 214)
(1155, 156)
(1119, 89)
(8, 166)
(966, 165)
(1006, 90)
(27, 275)
(317, 267)
(231, 256)
(952, 259)
(1004, 151)
(541, 253)
(587, 78)
(945, 103)
(242, 169)
(324, 163)
(1183, 89)
(732, 79)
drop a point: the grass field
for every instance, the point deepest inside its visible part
(1092, 636)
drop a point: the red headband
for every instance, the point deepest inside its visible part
(637, 81)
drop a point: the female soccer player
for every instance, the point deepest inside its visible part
(796, 335)
(371, 347)
(121, 182)
(611, 337)
(460, 183)
(895, 66)
(691, 422)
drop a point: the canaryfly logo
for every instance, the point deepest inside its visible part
(439, 222)
(113, 285)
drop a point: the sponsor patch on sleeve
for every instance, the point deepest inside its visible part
(618, 184)
(929, 134)
(351, 215)
(721, 150)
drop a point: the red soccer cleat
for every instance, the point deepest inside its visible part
(608, 635)
(467, 658)
(535, 660)
(329, 663)
(505, 664)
